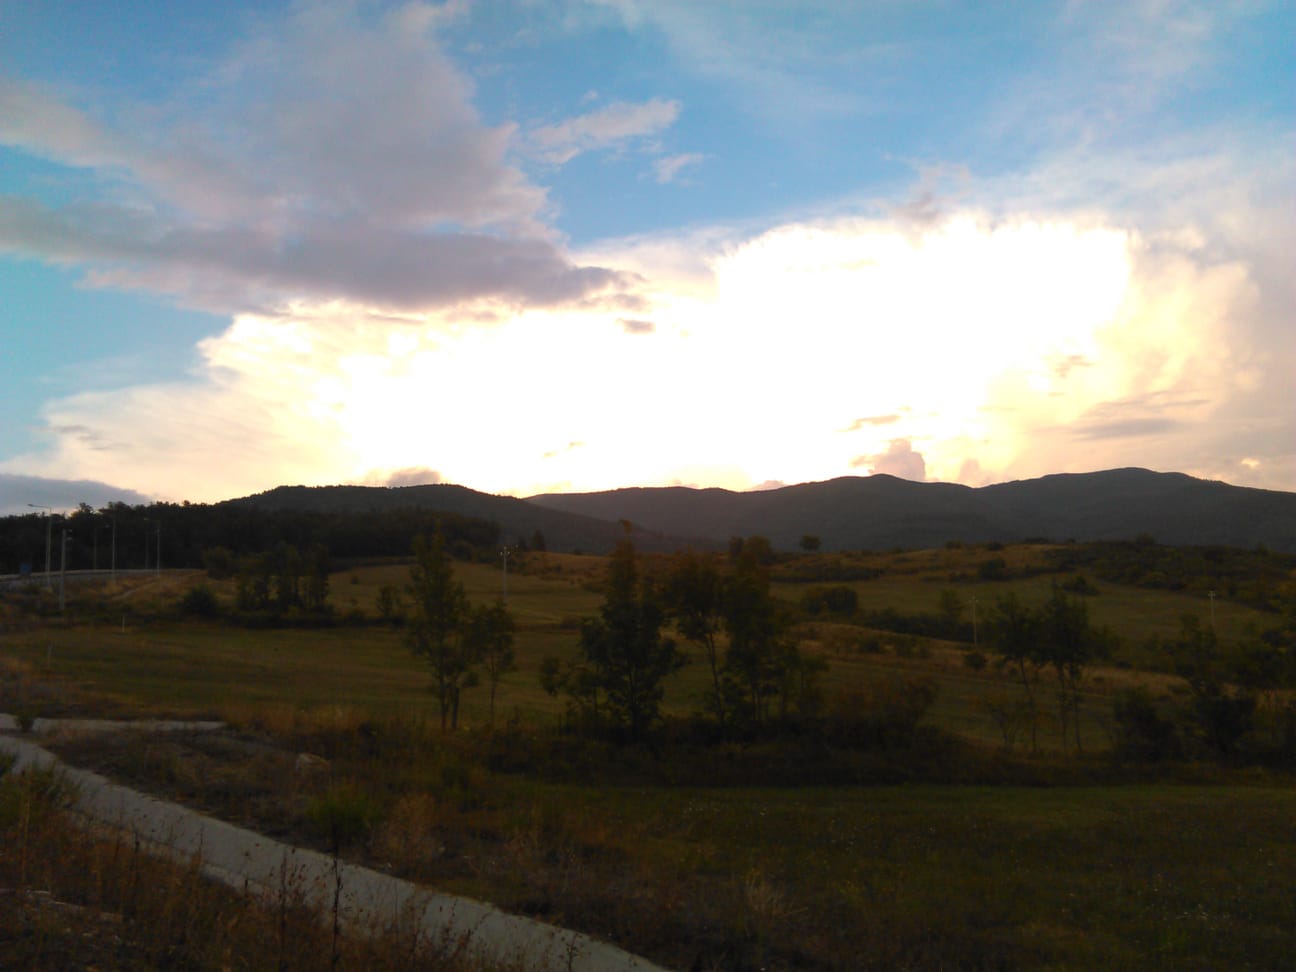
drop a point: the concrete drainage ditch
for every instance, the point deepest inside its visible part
(244, 859)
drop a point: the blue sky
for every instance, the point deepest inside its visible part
(575, 245)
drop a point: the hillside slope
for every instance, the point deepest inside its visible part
(879, 512)
(518, 520)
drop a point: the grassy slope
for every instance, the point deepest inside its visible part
(1134, 876)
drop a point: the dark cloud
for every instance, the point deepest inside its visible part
(333, 158)
(1154, 413)
(60, 494)
(632, 326)
(1126, 428)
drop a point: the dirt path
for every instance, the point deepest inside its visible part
(368, 899)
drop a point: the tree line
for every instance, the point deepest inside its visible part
(179, 535)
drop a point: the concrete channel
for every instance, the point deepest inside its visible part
(368, 899)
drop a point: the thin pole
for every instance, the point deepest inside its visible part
(114, 547)
(49, 526)
(504, 577)
(63, 572)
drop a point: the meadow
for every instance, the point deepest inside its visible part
(942, 850)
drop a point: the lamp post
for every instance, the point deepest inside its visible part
(63, 571)
(49, 526)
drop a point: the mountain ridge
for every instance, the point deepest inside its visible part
(881, 511)
(853, 512)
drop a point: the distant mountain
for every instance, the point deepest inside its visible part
(880, 512)
(517, 519)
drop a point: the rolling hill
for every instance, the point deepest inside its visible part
(880, 512)
(517, 518)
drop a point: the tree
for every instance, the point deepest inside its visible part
(489, 639)
(694, 595)
(1221, 713)
(623, 648)
(809, 543)
(1013, 632)
(763, 665)
(435, 630)
(1069, 643)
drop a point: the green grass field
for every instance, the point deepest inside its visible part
(1150, 874)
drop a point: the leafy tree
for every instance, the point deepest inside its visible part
(1070, 644)
(763, 665)
(1013, 631)
(1221, 713)
(694, 595)
(390, 605)
(951, 613)
(315, 585)
(810, 543)
(435, 630)
(488, 637)
(623, 649)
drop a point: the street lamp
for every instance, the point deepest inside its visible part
(49, 526)
(504, 553)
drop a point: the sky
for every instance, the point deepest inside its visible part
(576, 245)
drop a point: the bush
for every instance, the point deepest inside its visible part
(975, 659)
(343, 816)
(1142, 733)
(201, 602)
(885, 712)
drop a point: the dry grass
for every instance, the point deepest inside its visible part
(72, 899)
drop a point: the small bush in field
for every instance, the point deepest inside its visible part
(200, 601)
(1142, 733)
(343, 816)
(882, 712)
(975, 660)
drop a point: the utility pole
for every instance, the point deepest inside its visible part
(49, 526)
(63, 571)
(158, 564)
(1211, 595)
(504, 553)
(114, 545)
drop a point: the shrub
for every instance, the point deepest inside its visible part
(343, 816)
(1141, 732)
(975, 659)
(884, 712)
(200, 601)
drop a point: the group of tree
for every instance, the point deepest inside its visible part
(455, 638)
(280, 580)
(178, 535)
(758, 673)
(1056, 636)
(1237, 706)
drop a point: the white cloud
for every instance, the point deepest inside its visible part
(610, 127)
(930, 353)
(899, 460)
(671, 166)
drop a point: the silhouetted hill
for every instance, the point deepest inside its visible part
(517, 519)
(880, 512)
